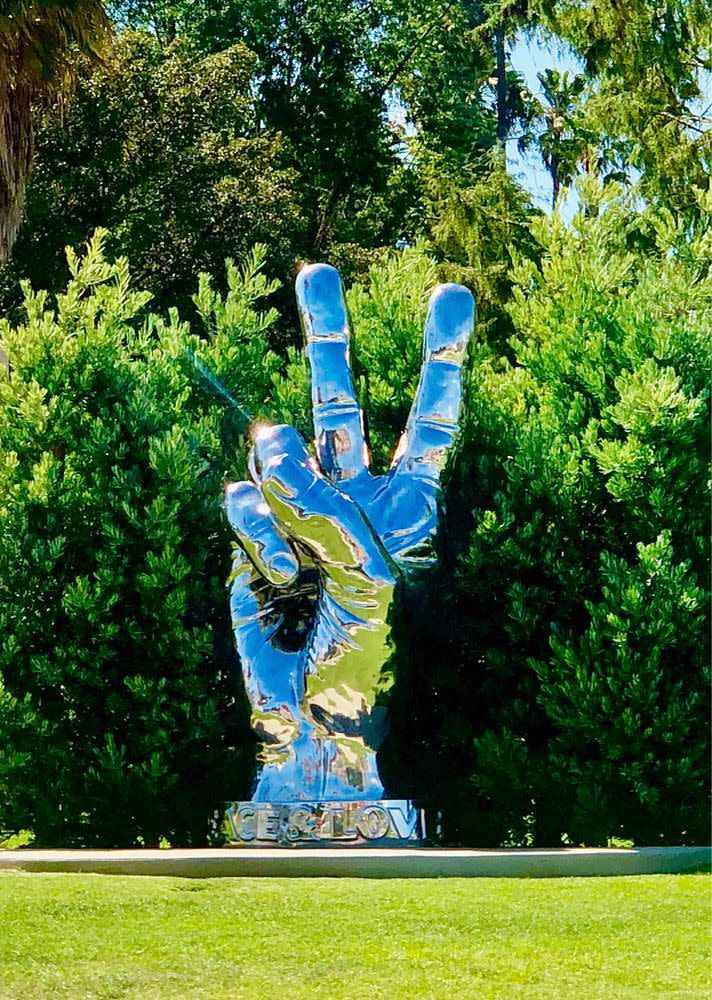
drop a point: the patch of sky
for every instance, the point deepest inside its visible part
(529, 56)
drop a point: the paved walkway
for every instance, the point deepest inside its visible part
(363, 863)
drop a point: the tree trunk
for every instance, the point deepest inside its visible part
(555, 184)
(16, 144)
(500, 55)
(324, 224)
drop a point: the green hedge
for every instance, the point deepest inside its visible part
(119, 714)
(562, 677)
(552, 672)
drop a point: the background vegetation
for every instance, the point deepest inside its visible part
(553, 672)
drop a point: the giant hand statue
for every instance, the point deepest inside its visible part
(323, 545)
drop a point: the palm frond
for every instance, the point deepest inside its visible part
(39, 42)
(40, 38)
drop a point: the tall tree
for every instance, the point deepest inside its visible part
(329, 79)
(504, 21)
(314, 83)
(649, 60)
(181, 188)
(561, 141)
(38, 42)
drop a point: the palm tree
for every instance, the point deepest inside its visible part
(561, 143)
(39, 43)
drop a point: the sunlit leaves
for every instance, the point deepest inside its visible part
(113, 553)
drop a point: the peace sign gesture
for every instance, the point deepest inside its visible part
(322, 545)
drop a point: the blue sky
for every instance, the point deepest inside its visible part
(530, 56)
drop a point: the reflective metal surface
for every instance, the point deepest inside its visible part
(321, 547)
(348, 823)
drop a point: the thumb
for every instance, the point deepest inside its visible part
(319, 517)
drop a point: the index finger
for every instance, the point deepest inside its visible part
(434, 417)
(338, 421)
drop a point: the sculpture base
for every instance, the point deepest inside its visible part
(388, 822)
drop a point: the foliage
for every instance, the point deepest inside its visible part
(552, 668)
(649, 62)
(163, 148)
(38, 43)
(581, 593)
(557, 679)
(554, 672)
(388, 312)
(37, 36)
(562, 138)
(312, 84)
(479, 225)
(117, 708)
(315, 143)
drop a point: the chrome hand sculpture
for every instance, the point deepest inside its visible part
(322, 546)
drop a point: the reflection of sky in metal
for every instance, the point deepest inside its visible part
(322, 545)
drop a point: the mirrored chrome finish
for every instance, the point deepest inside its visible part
(378, 823)
(321, 546)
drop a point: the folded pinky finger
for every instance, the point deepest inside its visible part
(259, 534)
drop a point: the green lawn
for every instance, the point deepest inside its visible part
(110, 936)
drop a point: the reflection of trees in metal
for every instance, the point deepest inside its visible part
(322, 546)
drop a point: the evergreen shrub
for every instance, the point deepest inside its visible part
(553, 669)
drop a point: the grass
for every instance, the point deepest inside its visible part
(95, 936)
